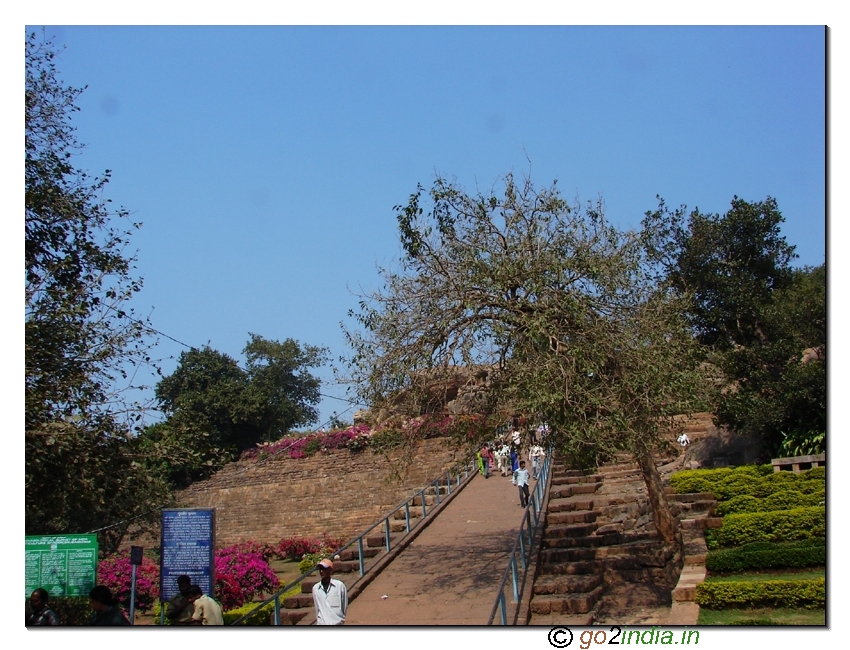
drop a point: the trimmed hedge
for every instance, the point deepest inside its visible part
(781, 526)
(751, 480)
(767, 555)
(810, 594)
(784, 500)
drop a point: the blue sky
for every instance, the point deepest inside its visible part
(264, 162)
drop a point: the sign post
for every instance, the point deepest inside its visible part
(188, 548)
(135, 561)
(64, 565)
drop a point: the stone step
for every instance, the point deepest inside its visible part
(580, 567)
(567, 584)
(350, 554)
(291, 617)
(574, 480)
(430, 500)
(298, 601)
(561, 492)
(571, 505)
(574, 517)
(377, 541)
(415, 513)
(566, 603)
(638, 550)
(576, 542)
(570, 530)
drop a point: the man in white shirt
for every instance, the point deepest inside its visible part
(205, 610)
(329, 596)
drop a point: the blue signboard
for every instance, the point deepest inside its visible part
(188, 547)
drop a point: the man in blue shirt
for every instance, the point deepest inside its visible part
(522, 478)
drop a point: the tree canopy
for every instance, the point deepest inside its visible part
(81, 338)
(756, 315)
(215, 409)
(564, 311)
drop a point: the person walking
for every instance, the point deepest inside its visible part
(105, 611)
(205, 610)
(522, 479)
(537, 455)
(330, 596)
(485, 460)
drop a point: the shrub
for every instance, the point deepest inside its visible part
(737, 505)
(294, 548)
(785, 525)
(242, 576)
(116, 572)
(783, 500)
(260, 617)
(752, 480)
(767, 555)
(769, 593)
(72, 610)
(776, 482)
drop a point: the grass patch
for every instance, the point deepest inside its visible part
(762, 616)
(759, 576)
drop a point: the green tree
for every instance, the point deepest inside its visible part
(559, 307)
(81, 339)
(216, 409)
(755, 314)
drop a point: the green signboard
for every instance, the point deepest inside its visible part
(64, 565)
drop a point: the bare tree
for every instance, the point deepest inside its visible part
(565, 311)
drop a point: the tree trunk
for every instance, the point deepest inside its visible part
(664, 521)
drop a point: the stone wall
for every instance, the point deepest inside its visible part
(339, 492)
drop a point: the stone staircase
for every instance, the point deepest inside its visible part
(599, 549)
(601, 559)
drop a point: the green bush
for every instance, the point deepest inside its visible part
(814, 474)
(737, 505)
(751, 480)
(784, 500)
(785, 525)
(73, 610)
(769, 593)
(768, 555)
(776, 482)
(261, 617)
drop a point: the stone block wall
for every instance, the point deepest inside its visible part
(338, 492)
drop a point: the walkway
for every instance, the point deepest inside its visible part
(450, 573)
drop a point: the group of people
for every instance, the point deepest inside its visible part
(504, 456)
(189, 607)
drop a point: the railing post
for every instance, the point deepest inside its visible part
(522, 548)
(360, 555)
(449, 483)
(277, 610)
(407, 515)
(424, 510)
(387, 533)
(515, 579)
(436, 485)
(503, 609)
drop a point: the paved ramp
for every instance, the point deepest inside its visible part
(449, 575)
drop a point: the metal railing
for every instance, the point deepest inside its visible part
(449, 481)
(521, 553)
